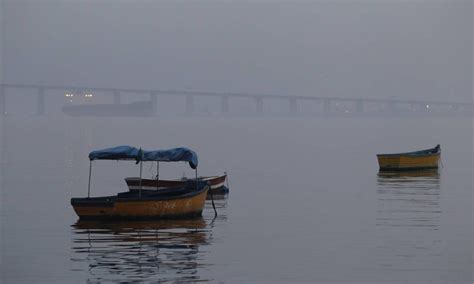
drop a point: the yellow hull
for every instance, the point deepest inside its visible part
(408, 162)
(139, 208)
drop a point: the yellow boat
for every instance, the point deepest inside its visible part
(186, 200)
(417, 160)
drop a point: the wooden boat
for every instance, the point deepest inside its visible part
(186, 200)
(417, 160)
(217, 183)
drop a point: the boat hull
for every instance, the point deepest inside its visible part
(217, 184)
(407, 162)
(148, 206)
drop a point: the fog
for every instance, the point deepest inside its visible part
(292, 100)
(397, 49)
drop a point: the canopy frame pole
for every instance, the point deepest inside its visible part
(157, 174)
(140, 190)
(89, 186)
(196, 178)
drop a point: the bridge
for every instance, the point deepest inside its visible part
(326, 105)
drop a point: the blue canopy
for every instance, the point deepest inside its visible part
(172, 155)
(117, 153)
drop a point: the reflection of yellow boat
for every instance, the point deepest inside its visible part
(424, 159)
(146, 251)
(428, 173)
(117, 226)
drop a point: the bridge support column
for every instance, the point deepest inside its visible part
(154, 102)
(391, 107)
(40, 102)
(326, 106)
(359, 106)
(259, 105)
(189, 104)
(117, 98)
(3, 100)
(293, 106)
(469, 110)
(225, 105)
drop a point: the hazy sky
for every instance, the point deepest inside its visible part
(402, 49)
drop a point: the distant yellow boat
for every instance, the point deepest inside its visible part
(417, 160)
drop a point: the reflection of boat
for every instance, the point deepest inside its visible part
(408, 175)
(408, 220)
(146, 227)
(139, 251)
(216, 183)
(183, 201)
(424, 159)
(142, 108)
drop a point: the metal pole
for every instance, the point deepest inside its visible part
(157, 174)
(140, 190)
(196, 178)
(3, 100)
(89, 187)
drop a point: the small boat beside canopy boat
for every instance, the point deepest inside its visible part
(417, 160)
(216, 183)
(185, 200)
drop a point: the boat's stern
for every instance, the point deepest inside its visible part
(94, 207)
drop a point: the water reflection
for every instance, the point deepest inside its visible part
(167, 250)
(408, 219)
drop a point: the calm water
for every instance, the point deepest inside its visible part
(307, 204)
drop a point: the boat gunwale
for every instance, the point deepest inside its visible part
(149, 197)
(426, 152)
(202, 178)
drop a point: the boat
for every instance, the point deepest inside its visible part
(186, 200)
(417, 160)
(216, 183)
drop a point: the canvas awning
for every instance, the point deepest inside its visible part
(117, 153)
(132, 153)
(172, 155)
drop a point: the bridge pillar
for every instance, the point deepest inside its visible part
(189, 104)
(117, 98)
(293, 106)
(3, 100)
(326, 106)
(468, 109)
(154, 102)
(391, 107)
(40, 102)
(259, 105)
(359, 106)
(225, 105)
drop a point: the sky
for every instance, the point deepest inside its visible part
(374, 49)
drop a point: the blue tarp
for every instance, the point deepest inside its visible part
(117, 153)
(172, 155)
(132, 153)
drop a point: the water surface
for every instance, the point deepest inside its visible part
(306, 202)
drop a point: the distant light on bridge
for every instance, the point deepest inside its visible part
(427, 106)
(68, 95)
(88, 95)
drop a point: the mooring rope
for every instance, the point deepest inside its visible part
(212, 200)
